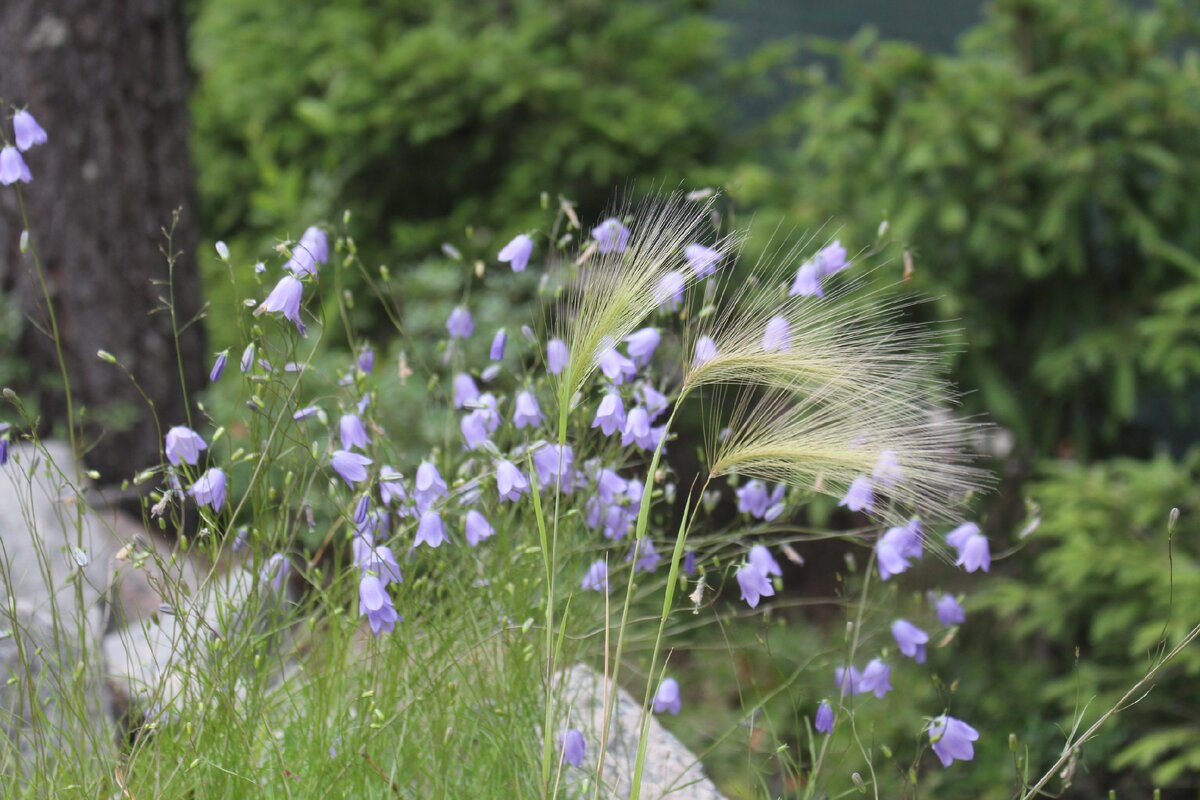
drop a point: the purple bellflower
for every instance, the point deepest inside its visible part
(876, 677)
(429, 485)
(831, 259)
(209, 488)
(910, 639)
(666, 699)
(527, 413)
(354, 433)
(974, 553)
(761, 559)
(510, 482)
(499, 342)
(573, 747)
(668, 294)
(596, 579)
(517, 252)
(459, 324)
(616, 367)
(777, 338)
(952, 739)
(218, 368)
(754, 584)
(12, 167)
(556, 356)
(430, 530)
(824, 719)
(465, 390)
(706, 350)
(610, 416)
(285, 299)
(184, 445)
(860, 496)
(702, 260)
(351, 467)
(808, 281)
(647, 556)
(611, 235)
(26, 131)
(477, 528)
(642, 345)
(949, 612)
(376, 605)
(366, 359)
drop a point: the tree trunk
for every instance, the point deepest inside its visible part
(109, 82)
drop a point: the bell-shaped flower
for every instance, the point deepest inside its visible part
(860, 496)
(218, 368)
(510, 482)
(642, 345)
(831, 259)
(209, 488)
(754, 584)
(616, 367)
(459, 323)
(702, 260)
(753, 498)
(610, 416)
(596, 578)
(465, 390)
(429, 486)
(476, 528)
(910, 639)
(183, 445)
(499, 342)
(517, 252)
(12, 167)
(777, 338)
(611, 236)
(974, 553)
(430, 530)
(247, 361)
(285, 299)
(667, 699)
(848, 680)
(824, 719)
(366, 359)
(475, 429)
(808, 281)
(391, 486)
(949, 612)
(610, 485)
(554, 463)
(351, 467)
(706, 350)
(876, 677)
(527, 413)
(654, 401)
(376, 605)
(668, 295)
(353, 432)
(647, 556)
(637, 429)
(958, 537)
(557, 355)
(26, 131)
(573, 747)
(952, 739)
(761, 559)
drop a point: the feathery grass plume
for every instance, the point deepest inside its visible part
(615, 291)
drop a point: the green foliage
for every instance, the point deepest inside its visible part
(1097, 605)
(1042, 177)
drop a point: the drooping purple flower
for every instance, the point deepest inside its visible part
(777, 338)
(510, 482)
(429, 486)
(958, 537)
(376, 558)
(754, 584)
(430, 530)
(753, 498)
(616, 367)
(285, 299)
(952, 739)
(642, 345)
(376, 605)
(354, 433)
(824, 719)
(831, 259)
(860, 496)
(848, 680)
(896, 546)
(316, 242)
(706, 350)
(876, 677)
(556, 356)
(775, 503)
(276, 571)
(761, 559)
(361, 509)
(573, 747)
(306, 412)
(611, 235)
(247, 358)
(887, 470)
(974, 553)
(610, 416)
(949, 612)
(391, 486)
(689, 563)
(647, 556)
(465, 390)
(517, 252)
(553, 462)
(910, 639)
(596, 578)
(459, 323)
(366, 359)
(476, 528)
(618, 520)
(637, 429)
(12, 167)
(808, 281)
(499, 341)
(609, 485)
(218, 368)
(209, 488)
(654, 401)
(26, 131)
(351, 467)
(474, 429)
(526, 412)
(668, 294)
(666, 699)
(184, 445)
(702, 260)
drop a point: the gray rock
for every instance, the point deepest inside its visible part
(671, 771)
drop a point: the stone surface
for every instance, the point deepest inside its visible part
(671, 771)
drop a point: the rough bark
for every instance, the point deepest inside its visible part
(109, 82)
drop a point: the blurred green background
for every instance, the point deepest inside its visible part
(1037, 160)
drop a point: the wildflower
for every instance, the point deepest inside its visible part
(376, 605)
(510, 483)
(808, 281)
(218, 368)
(753, 498)
(573, 746)
(391, 486)
(611, 235)
(876, 677)
(285, 299)
(247, 358)
(366, 359)
(610, 416)
(617, 522)
(669, 292)
(517, 252)
(951, 739)
(706, 350)
(184, 444)
(430, 485)
(354, 434)
(556, 356)
(465, 390)
(949, 612)
(26, 131)
(527, 412)
(459, 323)
(351, 467)
(702, 260)
(848, 680)
(430, 530)
(222, 250)
(887, 470)
(859, 497)
(596, 578)
(13, 168)
(477, 528)
(209, 488)
(642, 345)
(316, 242)
(761, 559)
(637, 430)
(305, 413)
(896, 546)
(974, 553)
(778, 336)
(958, 537)
(910, 639)
(553, 462)
(361, 509)
(689, 563)
(831, 259)
(824, 720)
(496, 352)
(275, 571)
(474, 429)
(754, 584)
(616, 367)
(667, 697)
(376, 558)
(609, 485)
(654, 401)
(647, 556)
